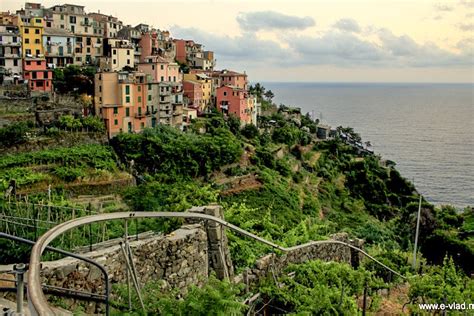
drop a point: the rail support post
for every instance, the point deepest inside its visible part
(20, 270)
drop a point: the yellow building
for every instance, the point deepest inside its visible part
(31, 30)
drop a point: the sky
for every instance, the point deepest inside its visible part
(315, 40)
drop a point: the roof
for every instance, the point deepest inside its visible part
(231, 87)
(226, 73)
(56, 31)
(202, 76)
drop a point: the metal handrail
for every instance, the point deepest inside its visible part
(73, 255)
(36, 296)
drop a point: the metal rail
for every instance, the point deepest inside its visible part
(73, 255)
(36, 296)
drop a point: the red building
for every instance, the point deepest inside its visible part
(39, 77)
(193, 93)
(233, 100)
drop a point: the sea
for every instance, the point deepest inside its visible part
(427, 129)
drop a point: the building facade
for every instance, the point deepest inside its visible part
(31, 32)
(10, 53)
(58, 47)
(38, 76)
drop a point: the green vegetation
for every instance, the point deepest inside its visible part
(74, 79)
(302, 190)
(15, 133)
(214, 298)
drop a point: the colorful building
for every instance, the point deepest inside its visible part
(132, 101)
(89, 33)
(120, 100)
(192, 92)
(38, 76)
(59, 47)
(120, 54)
(10, 53)
(232, 100)
(160, 69)
(205, 98)
(31, 32)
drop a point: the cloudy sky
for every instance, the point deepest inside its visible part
(315, 40)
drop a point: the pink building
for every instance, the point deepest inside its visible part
(160, 69)
(193, 93)
(39, 77)
(233, 100)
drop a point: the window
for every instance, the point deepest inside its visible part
(62, 16)
(174, 78)
(115, 110)
(14, 39)
(114, 61)
(88, 50)
(100, 88)
(142, 125)
(27, 31)
(139, 99)
(37, 41)
(128, 61)
(38, 21)
(73, 29)
(139, 88)
(78, 58)
(27, 40)
(62, 26)
(45, 75)
(15, 62)
(38, 63)
(149, 97)
(37, 52)
(149, 86)
(115, 122)
(127, 99)
(128, 52)
(72, 19)
(28, 52)
(225, 93)
(37, 31)
(162, 78)
(114, 52)
(86, 29)
(139, 111)
(33, 74)
(162, 67)
(127, 89)
(127, 112)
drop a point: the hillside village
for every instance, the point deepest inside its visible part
(143, 76)
(100, 118)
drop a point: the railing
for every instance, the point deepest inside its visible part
(74, 293)
(39, 304)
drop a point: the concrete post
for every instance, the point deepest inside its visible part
(218, 246)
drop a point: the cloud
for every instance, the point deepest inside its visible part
(443, 7)
(467, 3)
(437, 18)
(271, 20)
(348, 25)
(467, 27)
(381, 48)
(246, 47)
(335, 48)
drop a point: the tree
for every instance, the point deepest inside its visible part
(269, 95)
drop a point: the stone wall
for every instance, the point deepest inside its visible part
(275, 264)
(179, 260)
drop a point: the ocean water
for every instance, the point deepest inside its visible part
(427, 129)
